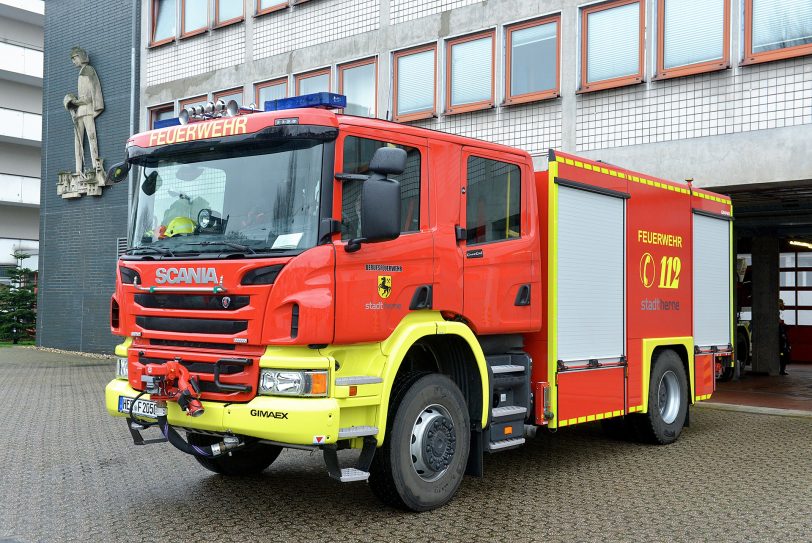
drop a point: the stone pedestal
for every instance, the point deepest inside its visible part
(74, 185)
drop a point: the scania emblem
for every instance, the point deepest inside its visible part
(226, 302)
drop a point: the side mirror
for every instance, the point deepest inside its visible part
(380, 212)
(388, 161)
(118, 172)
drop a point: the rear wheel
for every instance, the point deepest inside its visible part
(425, 451)
(254, 458)
(667, 400)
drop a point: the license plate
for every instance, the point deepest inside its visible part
(142, 408)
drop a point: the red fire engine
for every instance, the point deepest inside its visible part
(300, 278)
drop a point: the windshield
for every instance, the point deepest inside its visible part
(245, 200)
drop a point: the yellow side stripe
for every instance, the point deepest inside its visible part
(705, 397)
(641, 180)
(598, 416)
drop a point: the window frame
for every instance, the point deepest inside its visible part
(216, 95)
(767, 56)
(297, 78)
(269, 83)
(417, 115)
(157, 109)
(697, 67)
(341, 68)
(194, 31)
(555, 92)
(634, 79)
(279, 6)
(220, 24)
(153, 20)
(486, 154)
(473, 106)
(182, 104)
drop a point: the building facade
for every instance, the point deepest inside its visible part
(81, 235)
(21, 60)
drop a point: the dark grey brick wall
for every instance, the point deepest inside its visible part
(78, 237)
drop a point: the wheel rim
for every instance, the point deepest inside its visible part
(668, 397)
(433, 442)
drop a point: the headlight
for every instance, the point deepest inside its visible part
(122, 371)
(293, 383)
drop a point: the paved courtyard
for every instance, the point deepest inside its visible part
(70, 472)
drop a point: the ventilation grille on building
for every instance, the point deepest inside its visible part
(121, 246)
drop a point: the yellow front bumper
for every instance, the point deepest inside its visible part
(298, 421)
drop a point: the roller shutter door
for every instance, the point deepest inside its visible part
(711, 281)
(590, 276)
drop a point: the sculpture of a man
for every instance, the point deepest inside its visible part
(84, 107)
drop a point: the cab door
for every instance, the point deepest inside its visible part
(378, 285)
(501, 253)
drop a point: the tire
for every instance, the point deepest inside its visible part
(427, 415)
(742, 348)
(253, 459)
(667, 400)
(726, 375)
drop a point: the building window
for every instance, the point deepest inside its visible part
(358, 81)
(191, 102)
(163, 22)
(469, 75)
(415, 83)
(493, 201)
(268, 6)
(270, 90)
(227, 12)
(776, 29)
(692, 36)
(315, 81)
(357, 154)
(160, 113)
(532, 60)
(231, 94)
(195, 18)
(612, 44)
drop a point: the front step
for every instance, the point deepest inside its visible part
(352, 475)
(507, 368)
(509, 411)
(505, 444)
(357, 431)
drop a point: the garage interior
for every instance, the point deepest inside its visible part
(773, 248)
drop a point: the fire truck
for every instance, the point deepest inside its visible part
(299, 278)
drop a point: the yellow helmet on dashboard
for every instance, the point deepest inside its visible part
(179, 226)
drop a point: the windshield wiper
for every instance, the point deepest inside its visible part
(159, 250)
(238, 246)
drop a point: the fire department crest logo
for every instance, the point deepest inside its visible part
(384, 286)
(226, 301)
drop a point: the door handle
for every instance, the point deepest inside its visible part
(523, 296)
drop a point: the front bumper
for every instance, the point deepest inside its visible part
(298, 421)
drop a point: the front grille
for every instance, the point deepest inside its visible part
(192, 344)
(191, 326)
(195, 302)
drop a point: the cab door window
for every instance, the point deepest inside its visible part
(493, 208)
(357, 155)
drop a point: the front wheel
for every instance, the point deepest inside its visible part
(422, 461)
(253, 459)
(667, 400)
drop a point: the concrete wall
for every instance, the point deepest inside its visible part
(715, 128)
(20, 160)
(78, 242)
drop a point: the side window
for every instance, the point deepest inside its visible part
(357, 155)
(493, 206)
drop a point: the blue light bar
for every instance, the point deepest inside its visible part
(163, 123)
(323, 100)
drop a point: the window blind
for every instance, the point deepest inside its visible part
(471, 71)
(533, 61)
(613, 43)
(693, 32)
(164, 20)
(778, 24)
(317, 83)
(416, 82)
(195, 14)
